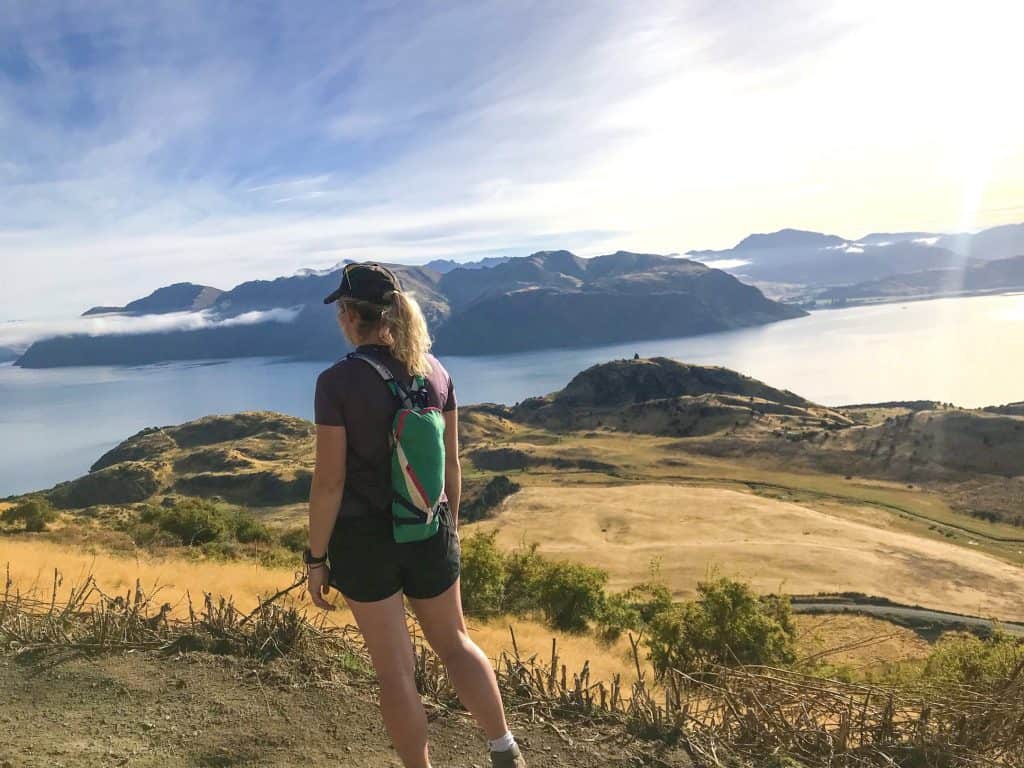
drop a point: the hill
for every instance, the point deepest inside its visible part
(998, 275)
(256, 459)
(660, 396)
(556, 299)
(180, 297)
(549, 299)
(813, 259)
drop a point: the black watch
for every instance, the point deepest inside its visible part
(308, 559)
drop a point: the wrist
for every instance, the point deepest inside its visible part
(310, 559)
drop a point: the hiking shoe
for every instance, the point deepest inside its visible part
(510, 758)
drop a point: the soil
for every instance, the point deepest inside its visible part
(144, 710)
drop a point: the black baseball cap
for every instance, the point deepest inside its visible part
(366, 281)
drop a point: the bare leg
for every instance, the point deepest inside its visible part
(471, 672)
(387, 638)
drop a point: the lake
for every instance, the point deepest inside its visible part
(970, 351)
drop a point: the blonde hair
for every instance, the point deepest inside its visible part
(402, 327)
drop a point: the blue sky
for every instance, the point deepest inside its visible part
(147, 143)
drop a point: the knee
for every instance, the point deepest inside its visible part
(455, 648)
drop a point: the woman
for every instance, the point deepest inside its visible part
(351, 545)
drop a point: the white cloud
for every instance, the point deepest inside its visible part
(19, 334)
(725, 263)
(482, 126)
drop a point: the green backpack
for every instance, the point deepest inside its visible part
(417, 458)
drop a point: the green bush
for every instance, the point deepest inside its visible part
(248, 529)
(484, 574)
(34, 513)
(967, 660)
(618, 616)
(727, 624)
(296, 539)
(191, 522)
(525, 571)
(633, 609)
(572, 594)
(569, 595)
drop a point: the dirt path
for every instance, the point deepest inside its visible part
(146, 711)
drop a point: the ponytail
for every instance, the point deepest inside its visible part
(410, 339)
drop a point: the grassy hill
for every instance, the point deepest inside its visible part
(658, 435)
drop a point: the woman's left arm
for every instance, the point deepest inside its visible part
(325, 496)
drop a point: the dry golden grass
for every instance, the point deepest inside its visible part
(573, 650)
(858, 641)
(776, 545)
(32, 563)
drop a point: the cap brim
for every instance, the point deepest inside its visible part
(333, 297)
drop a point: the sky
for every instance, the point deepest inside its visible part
(143, 144)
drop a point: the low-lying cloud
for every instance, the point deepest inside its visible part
(20, 334)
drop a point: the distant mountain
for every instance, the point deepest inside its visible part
(443, 266)
(180, 297)
(819, 260)
(788, 238)
(311, 334)
(548, 299)
(884, 238)
(298, 290)
(7, 354)
(1004, 274)
(1000, 242)
(556, 299)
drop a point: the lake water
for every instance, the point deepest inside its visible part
(54, 423)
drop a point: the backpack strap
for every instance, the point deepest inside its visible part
(394, 385)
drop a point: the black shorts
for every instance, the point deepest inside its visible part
(367, 564)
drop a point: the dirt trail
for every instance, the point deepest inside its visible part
(146, 711)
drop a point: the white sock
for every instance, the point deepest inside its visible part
(502, 743)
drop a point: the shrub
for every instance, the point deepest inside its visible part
(483, 574)
(617, 616)
(34, 513)
(633, 609)
(192, 521)
(525, 572)
(571, 594)
(727, 624)
(248, 529)
(295, 539)
(967, 660)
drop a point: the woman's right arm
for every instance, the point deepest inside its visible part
(452, 467)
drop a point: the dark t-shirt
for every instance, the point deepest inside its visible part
(352, 394)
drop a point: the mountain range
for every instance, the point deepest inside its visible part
(554, 299)
(813, 259)
(548, 299)
(999, 275)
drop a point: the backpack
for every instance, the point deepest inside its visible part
(417, 457)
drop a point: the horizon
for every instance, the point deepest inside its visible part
(153, 146)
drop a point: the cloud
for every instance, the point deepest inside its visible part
(20, 334)
(158, 142)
